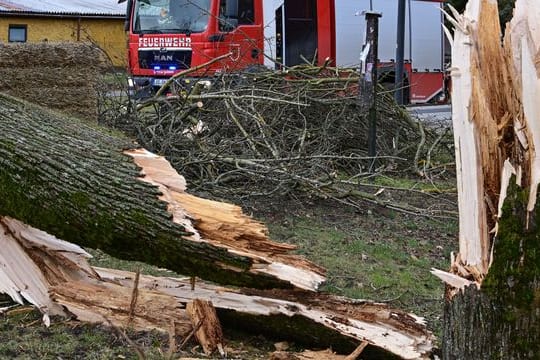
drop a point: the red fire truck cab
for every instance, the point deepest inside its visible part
(169, 36)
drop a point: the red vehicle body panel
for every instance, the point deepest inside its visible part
(326, 31)
(425, 86)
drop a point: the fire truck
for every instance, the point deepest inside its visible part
(169, 36)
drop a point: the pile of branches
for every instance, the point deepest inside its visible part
(274, 132)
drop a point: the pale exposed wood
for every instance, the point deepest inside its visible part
(101, 302)
(507, 172)
(226, 225)
(392, 330)
(31, 260)
(453, 280)
(486, 85)
(77, 182)
(356, 353)
(488, 79)
(158, 171)
(33, 264)
(502, 99)
(524, 41)
(208, 328)
(473, 232)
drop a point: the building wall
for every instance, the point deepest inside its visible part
(107, 33)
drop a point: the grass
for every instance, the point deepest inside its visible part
(23, 337)
(381, 258)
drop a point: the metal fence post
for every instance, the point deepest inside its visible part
(400, 52)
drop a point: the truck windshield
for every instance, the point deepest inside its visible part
(171, 16)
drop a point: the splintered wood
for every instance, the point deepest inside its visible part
(77, 181)
(225, 225)
(33, 260)
(206, 325)
(108, 303)
(496, 118)
(390, 329)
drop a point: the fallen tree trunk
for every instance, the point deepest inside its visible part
(96, 189)
(493, 298)
(107, 296)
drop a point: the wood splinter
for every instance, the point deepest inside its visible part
(209, 333)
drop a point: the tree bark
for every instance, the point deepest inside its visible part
(492, 308)
(502, 320)
(92, 187)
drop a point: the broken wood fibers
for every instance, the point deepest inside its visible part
(490, 129)
(206, 325)
(225, 224)
(105, 295)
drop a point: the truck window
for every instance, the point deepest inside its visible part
(171, 16)
(246, 12)
(246, 15)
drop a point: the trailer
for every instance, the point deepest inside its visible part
(169, 36)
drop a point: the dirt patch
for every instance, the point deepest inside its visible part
(61, 76)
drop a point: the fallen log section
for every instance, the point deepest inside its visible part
(96, 189)
(58, 280)
(493, 298)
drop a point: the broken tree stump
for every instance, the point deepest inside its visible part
(492, 309)
(94, 188)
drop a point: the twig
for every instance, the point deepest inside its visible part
(172, 340)
(427, 164)
(191, 333)
(357, 351)
(284, 132)
(241, 128)
(419, 149)
(137, 348)
(189, 71)
(134, 297)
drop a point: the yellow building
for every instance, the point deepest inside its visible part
(97, 21)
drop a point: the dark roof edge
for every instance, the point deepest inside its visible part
(61, 15)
